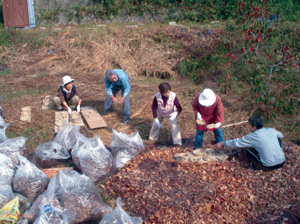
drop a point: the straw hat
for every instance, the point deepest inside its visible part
(67, 79)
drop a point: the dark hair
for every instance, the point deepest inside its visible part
(256, 121)
(164, 87)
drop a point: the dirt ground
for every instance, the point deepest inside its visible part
(148, 58)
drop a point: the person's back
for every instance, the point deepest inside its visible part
(265, 141)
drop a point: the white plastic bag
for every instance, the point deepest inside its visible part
(49, 154)
(67, 136)
(7, 168)
(29, 180)
(125, 147)
(92, 158)
(3, 127)
(6, 193)
(119, 216)
(2, 122)
(13, 148)
(79, 194)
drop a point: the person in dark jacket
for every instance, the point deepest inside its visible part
(68, 96)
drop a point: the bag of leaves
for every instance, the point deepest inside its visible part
(53, 215)
(13, 148)
(2, 122)
(29, 180)
(7, 168)
(92, 158)
(6, 193)
(47, 197)
(49, 154)
(67, 136)
(125, 147)
(119, 216)
(79, 194)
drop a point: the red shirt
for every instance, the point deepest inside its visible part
(211, 115)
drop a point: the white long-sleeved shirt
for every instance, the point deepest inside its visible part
(265, 141)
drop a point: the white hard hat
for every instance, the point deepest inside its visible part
(207, 98)
(67, 79)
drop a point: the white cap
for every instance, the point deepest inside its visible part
(67, 79)
(207, 98)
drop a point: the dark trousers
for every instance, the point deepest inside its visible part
(126, 103)
(253, 156)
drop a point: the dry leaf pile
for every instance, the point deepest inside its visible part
(162, 190)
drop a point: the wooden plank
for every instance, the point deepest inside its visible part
(92, 117)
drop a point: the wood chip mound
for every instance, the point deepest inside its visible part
(160, 189)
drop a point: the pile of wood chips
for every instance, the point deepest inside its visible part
(160, 189)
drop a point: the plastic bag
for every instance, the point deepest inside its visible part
(79, 194)
(10, 212)
(119, 216)
(7, 168)
(48, 197)
(13, 148)
(49, 154)
(53, 215)
(2, 122)
(3, 137)
(92, 158)
(29, 180)
(125, 147)
(6, 193)
(67, 136)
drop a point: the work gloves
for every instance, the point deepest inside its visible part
(217, 125)
(69, 110)
(78, 109)
(158, 124)
(173, 116)
(199, 116)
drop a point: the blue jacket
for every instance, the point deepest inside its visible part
(265, 141)
(122, 82)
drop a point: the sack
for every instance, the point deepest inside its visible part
(29, 180)
(48, 197)
(10, 212)
(79, 194)
(6, 193)
(49, 154)
(7, 168)
(119, 216)
(125, 147)
(67, 136)
(92, 158)
(2, 122)
(53, 215)
(13, 148)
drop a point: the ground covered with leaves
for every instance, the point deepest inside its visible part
(162, 190)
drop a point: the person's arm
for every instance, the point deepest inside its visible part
(195, 105)
(125, 83)
(279, 134)
(243, 142)
(77, 92)
(178, 106)
(108, 86)
(154, 107)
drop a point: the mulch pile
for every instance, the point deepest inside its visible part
(162, 190)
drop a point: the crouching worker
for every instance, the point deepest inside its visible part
(68, 96)
(209, 114)
(264, 145)
(163, 106)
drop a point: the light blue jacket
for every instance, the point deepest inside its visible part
(265, 141)
(122, 82)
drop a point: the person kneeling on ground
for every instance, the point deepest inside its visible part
(68, 96)
(264, 145)
(209, 110)
(163, 106)
(116, 80)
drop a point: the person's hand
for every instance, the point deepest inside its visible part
(158, 124)
(199, 116)
(218, 145)
(78, 109)
(69, 110)
(122, 100)
(113, 98)
(217, 125)
(173, 116)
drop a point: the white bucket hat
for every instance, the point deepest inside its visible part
(67, 79)
(207, 98)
